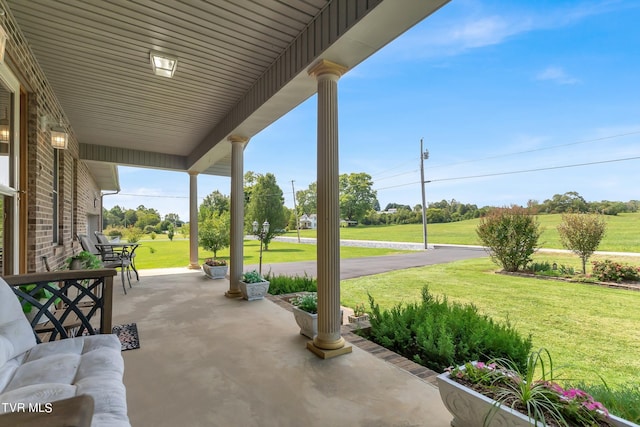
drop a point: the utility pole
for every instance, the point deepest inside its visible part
(295, 210)
(424, 155)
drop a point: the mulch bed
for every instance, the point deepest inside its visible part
(630, 286)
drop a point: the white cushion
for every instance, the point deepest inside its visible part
(52, 371)
(16, 335)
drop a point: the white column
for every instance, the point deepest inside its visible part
(193, 221)
(328, 342)
(236, 248)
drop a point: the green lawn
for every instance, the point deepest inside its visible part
(623, 233)
(594, 329)
(161, 253)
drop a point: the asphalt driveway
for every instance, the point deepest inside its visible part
(357, 267)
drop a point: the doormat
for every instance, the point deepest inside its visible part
(128, 336)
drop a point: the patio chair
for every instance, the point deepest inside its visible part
(124, 251)
(109, 259)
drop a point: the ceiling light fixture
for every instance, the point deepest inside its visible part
(163, 65)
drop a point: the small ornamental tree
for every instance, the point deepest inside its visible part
(582, 234)
(214, 232)
(511, 236)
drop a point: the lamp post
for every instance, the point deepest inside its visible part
(260, 235)
(424, 155)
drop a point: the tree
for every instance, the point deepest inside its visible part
(511, 234)
(216, 202)
(266, 204)
(214, 232)
(581, 234)
(357, 196)
(307, 200)
(170, 231)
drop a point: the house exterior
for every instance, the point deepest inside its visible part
(308, 222)
(179, 86)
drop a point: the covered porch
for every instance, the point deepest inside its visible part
(207, 360)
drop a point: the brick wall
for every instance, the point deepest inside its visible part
(77, 188)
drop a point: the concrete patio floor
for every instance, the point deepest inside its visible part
(206, 360)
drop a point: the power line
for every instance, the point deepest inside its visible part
(551, 147)
(536, 170)
(512, 172)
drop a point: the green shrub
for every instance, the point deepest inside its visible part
(113, 232)
(289, 284)
(511, 234)
(134, 234)
(438, 334)
(609, 271)
(308, 302)
(623, 402)
(537, 267)
(153, 235)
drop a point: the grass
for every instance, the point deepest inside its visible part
(165, 253)
(623, 233)
(591, 329)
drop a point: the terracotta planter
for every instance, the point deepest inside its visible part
(254, 291)
(469, 408)
(215, 271)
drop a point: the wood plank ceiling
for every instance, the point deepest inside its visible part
(95, 54)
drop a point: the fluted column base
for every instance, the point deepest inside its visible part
(324, 353)
(233, 293)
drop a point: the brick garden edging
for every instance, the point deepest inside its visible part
(372, 348)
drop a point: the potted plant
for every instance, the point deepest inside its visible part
(84, 260)
(253, 286)
(305, 311)
(498, 393)
(43, 296)
(359, 315)
(215, 268)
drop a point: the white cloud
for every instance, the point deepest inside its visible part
(463, 26)
(557, 75)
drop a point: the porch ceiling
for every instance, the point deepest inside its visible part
(242, 65)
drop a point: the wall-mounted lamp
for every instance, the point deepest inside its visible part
(59, 136)
(162, 64)
(4, 127)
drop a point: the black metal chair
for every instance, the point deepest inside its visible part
(110, 259)
(126, 250)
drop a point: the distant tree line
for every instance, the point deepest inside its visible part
(572, 202)
(148, 220)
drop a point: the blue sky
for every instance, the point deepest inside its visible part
(493, 87)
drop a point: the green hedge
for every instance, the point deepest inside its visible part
(289, 284)
(438, 334)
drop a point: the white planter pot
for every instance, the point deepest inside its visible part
(469, 408)
(307, 322)
(254, 291)
(34, 311)
(215, 271)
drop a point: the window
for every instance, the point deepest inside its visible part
(55, 204)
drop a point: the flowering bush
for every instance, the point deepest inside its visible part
(541, 399)
(609, 271)
(215, 262)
